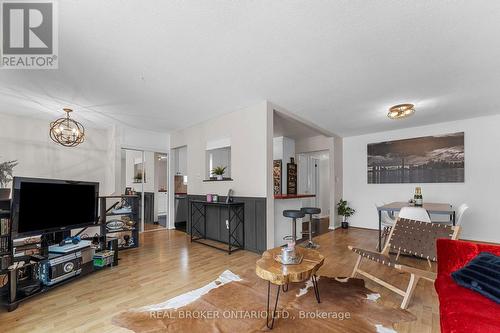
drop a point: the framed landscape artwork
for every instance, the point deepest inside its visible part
(427, 159)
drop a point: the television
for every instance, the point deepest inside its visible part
(48, 205)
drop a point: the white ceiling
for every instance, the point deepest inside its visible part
(164, 65)
(284, 125)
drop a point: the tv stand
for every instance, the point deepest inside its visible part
(25, 281)
(20, 290)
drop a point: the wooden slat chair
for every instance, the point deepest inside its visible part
(407, 237)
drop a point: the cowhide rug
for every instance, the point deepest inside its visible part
(238, 304)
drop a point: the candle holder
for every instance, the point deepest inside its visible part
(289, 254)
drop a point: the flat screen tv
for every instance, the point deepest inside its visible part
(48, 205)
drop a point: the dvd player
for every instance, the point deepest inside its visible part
(69, 247)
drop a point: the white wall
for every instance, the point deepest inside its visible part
(269, 175)
(324, 185)
(247, 131)
(337, 176)
(27, 140)
(144, 140)
(480, 189)
(250, 132)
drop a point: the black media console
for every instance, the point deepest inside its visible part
(31, 266)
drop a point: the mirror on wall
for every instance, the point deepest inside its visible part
(145, 173)
(218, 159)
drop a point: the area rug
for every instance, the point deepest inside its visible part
(235, 303)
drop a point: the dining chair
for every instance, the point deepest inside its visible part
(387, 223)
(460, 213)
(414, 213)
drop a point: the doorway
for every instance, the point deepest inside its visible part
(161, 187)
(180, 179)
(145, 173)
(314, 178)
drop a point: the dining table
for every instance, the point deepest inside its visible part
(432, 208)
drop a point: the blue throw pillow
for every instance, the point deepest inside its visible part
(481, 274)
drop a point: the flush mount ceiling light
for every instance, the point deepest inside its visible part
(401, 111)
(67, 131)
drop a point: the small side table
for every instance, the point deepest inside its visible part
(235, 221)
(281, 275)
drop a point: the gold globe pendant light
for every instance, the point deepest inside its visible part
(66, 131)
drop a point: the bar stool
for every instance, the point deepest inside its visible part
(311, 211)
(294, 215)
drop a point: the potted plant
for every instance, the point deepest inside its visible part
(138, 177)
(345, 211)
(219, 172)
(5, 178)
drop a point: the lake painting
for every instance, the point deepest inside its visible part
(428, 159)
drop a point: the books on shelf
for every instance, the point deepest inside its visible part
(4, 245)
(4, 226)
(5, 261)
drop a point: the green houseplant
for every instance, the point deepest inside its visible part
(345, 211)
(138, 177)
(219, 172)
(6, 169)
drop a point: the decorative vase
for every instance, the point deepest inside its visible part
(4, 193)
(220, 177)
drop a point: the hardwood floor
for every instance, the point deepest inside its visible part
(151, 226)
(167, 265)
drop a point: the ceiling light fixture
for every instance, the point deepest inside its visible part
(67, 131)
(401, 111)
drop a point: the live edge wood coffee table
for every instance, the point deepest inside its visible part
(267, 268)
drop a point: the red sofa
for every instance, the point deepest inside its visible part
(461, 309)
